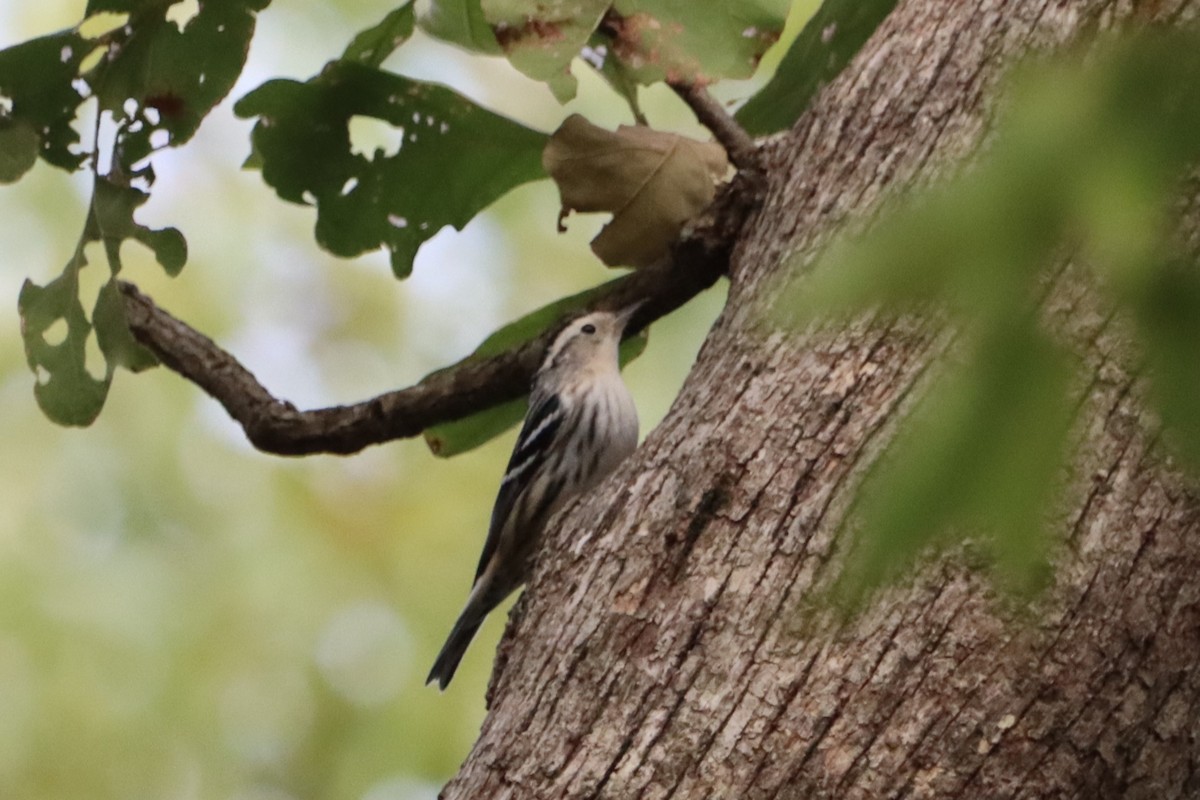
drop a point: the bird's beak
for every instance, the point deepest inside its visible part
(626, 314)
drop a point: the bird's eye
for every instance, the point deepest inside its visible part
(589, 328)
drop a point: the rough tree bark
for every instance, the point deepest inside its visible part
(662, 652)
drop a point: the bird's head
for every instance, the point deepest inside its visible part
(591, 339)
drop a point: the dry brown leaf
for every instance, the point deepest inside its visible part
(652, 183)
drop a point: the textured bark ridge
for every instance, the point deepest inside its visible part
(665, 649)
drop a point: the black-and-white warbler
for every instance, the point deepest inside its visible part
(581, 423)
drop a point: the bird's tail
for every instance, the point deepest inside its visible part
(456, 644)
(486, 594)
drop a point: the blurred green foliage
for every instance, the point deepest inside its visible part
(1088, 158)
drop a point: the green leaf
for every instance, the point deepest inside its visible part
(36, 76)
(460, 22)
(677, 41)
(113, 208)
(465, 434)
(616, 74)
(824, 47)
(541, 39)
(19, 144)
(168, 244)
(980, 455)
(372, 46)
(174, 77)
(65, 391)
(455, 158)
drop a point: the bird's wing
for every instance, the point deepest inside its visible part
(542, 424)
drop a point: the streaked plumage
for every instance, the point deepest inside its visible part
(581, 423)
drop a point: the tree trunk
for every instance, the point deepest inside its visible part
(664, 649)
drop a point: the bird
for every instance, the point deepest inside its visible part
(581, 423)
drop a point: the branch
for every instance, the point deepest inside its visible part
(475, 384)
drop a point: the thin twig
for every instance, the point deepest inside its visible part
(276, 426)
(742, 150)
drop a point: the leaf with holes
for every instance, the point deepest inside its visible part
(66, 392)
(113, 208)
(652, 183)
(454, 159)
(174, 76)
(542, 40)
(824, 47)
(36, 84)
(465, 434)
(674, 40)
(372, 46)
